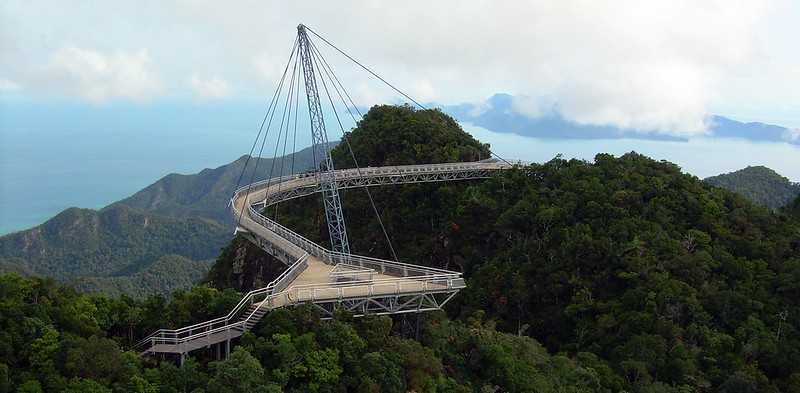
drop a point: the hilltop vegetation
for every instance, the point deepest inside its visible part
(759, 184)
(401, 135)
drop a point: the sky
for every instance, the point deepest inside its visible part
(101, 98)
(660, 66)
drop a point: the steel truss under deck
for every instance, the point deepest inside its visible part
(385, 305)
(368, 177)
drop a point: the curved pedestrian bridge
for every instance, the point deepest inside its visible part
(316, 275)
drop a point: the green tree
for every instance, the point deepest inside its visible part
(30, 386)
(384, 374)
(99, 359)
(79, 385)
(241, 372)
(138, 384)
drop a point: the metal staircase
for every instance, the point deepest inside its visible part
(243, 317)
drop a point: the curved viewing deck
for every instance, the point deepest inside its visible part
(316, 275)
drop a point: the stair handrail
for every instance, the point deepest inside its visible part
(397, 282)
(175, 333)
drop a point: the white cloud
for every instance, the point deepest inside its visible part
(8, 85)
(532, 107)
(658, 65)
(792, 135)
(213, 87)
(655, 66)
(423, 91)
(268, 68)
(480, 108)
(100, 76)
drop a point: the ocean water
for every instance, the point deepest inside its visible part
(58, 155)
(43, 172)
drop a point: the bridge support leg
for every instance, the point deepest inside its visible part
(183, 358)
(218, 350)
(416, 331)
(227, 349)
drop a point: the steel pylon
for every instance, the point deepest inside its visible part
(326, 171)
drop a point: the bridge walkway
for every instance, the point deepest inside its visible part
(312, 277)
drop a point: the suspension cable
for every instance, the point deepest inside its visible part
(261, 128)
(384, 81)
(316, 55)
(296, 111)
(269, 127)
(285, 116)
(365, 68)
(325, 62)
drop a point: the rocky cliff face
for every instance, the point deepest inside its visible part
(244, 267)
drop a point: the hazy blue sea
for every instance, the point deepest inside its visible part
(43, 171)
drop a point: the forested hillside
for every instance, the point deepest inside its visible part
(55, 340)
(112, 242)
(760, 185)
(167, 274)
(677, 285)
(619, 274)
(206, 194)
(160, 239)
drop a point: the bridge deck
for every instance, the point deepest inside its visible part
(315, 284)
(188, 346)
(393, 287)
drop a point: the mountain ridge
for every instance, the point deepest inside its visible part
(206, 193)
(759, 184)
(181, 217)
(499, 114)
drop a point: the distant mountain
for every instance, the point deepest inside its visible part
(139, 245)
(760, 185)
(206, 194)
(114, 241)
(755, 131)
(499, 114)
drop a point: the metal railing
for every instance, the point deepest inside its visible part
(206, 328)
(377, 171)
(410, 278)
(369, 288)
(285, 191)
(304, 293)
(289, 235)
(276, 295)
(298, 294)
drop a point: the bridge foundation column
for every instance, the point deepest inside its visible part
(227, 349)
(183, 358)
